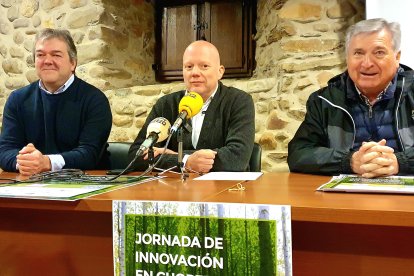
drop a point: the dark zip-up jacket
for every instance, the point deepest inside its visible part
(323, 143)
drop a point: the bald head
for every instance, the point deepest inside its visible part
(205, 47)
(201, 68)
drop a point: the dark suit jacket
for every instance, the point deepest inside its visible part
(228, 128)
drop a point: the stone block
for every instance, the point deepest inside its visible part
(83, 17)
(12, 66)
(104, 72)
(5, 27)
(323, 78)
(321, 27)
(29, 7)
(123, 107)
(96, 50)
(119, 135)
(21, 23)
(310, 45)
(47, 5)
(276, 120)
(301, 12)
(261, 85)
(262, 107)
(321, 63)
(268, 141)
(13, 13)
(140, 112)
(114, 37)
(31, 76)
(148, 90)
(303, 83)
(341, 10)
(16, 52)
(14, 83)
(139, 122)
(74, 4)
(278, 156)
(8, 3)
(122, 120)
(36, 21)
(18, 37)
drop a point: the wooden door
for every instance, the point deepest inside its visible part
(227, 24)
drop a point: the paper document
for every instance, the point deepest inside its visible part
(230, 176)
(357, 184)
(66, 190)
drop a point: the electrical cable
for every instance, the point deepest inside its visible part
(79, 176)
(150, 167)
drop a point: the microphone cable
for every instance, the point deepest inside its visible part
(150, 167)
(79, 176)
(72, 175)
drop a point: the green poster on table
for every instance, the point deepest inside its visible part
(186, 238)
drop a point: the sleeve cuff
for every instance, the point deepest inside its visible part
(56, 161)
(185, 158)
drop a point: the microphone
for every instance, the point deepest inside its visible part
(157, 131)
(189, 106)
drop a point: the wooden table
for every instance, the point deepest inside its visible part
(338, 233)
(332, 233)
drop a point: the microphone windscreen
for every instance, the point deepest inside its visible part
(191, 103)
(161, 126)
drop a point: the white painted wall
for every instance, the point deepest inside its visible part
(401, 11)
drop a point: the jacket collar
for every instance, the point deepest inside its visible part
(342, 82)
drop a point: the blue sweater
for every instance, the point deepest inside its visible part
(75, 124)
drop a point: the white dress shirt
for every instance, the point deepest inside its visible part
(197, 122)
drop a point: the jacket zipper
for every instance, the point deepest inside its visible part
(396, 114)
(346, 111)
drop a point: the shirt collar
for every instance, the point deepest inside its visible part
(61, 89)
(211, 96)
(353, 92)
(207, 102)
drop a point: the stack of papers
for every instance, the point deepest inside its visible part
(230, 176)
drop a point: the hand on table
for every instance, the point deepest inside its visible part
(201, 160)
(31, 161)
(374, 159)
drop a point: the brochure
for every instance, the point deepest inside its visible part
(357, 184)
(66, 190)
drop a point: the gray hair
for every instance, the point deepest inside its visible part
(372, 26)
(63, 35)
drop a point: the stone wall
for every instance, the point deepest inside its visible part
(299, 46)
(115, 40)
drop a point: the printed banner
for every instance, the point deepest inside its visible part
(186, 238)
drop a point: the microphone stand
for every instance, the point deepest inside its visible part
(180, 164)
(151, 156)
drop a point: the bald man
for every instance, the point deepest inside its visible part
(221, 136)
